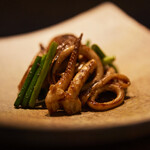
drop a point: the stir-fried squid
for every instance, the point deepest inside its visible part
(78, 76)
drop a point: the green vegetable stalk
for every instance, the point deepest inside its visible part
(106, 60)
(27, 82)
(88, 43)
(32, 84)
(97, 49)
(42, 76)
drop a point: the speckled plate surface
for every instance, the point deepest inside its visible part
(117, 34)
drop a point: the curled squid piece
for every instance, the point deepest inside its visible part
(56, 91)
(90, 54)
(119, 79)
(86, 52)
(65, 47)
(123, 81)
(62, 56)
(110, 104)
(72, 103)
(113, 82)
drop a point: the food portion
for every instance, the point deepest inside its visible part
(71, 76)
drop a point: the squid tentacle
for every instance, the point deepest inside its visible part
(89, 54)
(56, 92)
(71, 103)
(63, 55)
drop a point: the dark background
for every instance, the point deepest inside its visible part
(22, 16)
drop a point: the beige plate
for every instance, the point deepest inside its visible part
(117, 34)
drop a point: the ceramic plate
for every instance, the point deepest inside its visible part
(117, 34)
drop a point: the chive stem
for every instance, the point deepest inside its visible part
(88, 43)
(27, 82)
(44, 71)
(32, 84)
(106, 60)
(98, 50)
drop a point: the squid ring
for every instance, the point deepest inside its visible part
(110, 104)
(123, 82)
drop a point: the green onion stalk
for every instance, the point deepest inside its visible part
(32, 84)
(27, 82)
(42, 76)
(106, 60)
